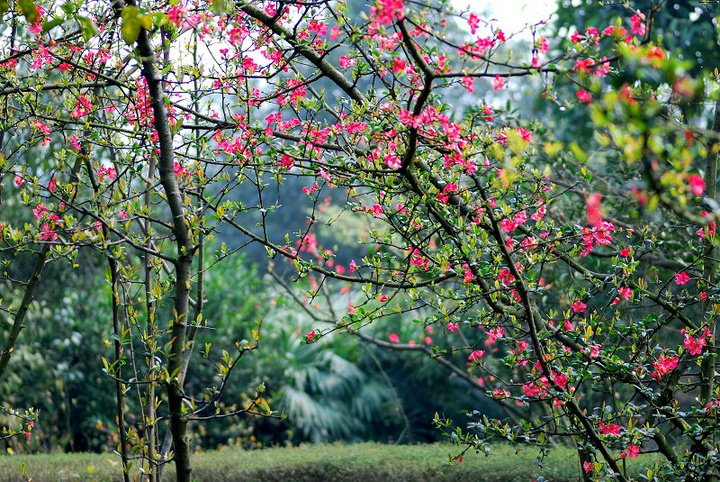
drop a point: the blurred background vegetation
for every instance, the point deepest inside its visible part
(338, 389)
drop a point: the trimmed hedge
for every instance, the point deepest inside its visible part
(336, 463)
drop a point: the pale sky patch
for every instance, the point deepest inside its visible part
(511, 15)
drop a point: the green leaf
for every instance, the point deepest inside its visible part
(4, 6)
(68, 7)
(47, 26)
(218, 7)
(27, 7)
(131, 25)
(89, 29)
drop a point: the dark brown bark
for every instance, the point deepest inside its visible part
(183, 263)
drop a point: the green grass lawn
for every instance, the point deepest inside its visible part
(336, 463)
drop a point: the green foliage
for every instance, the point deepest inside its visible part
(66, 335)
(685, 27)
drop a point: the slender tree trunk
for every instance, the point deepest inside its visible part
(119, 385)
(183, 263)
(190, 341)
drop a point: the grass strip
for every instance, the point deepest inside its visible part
(311, 463)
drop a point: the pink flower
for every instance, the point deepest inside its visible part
(52, 184)
(19, 181)
(533, 390)
(498, 83)
(706, 231)
(394, 338)
(335, 32)
(310, 336)
(467, 275)
(319, 28)
(75, 142)
(694, 345)
(665, 365)
(39, 211)
(539, 214)
(493, 335)
(638, 25)
(588, 467)
(560, 380)
(387, 11)
(624, 252)
(500, 394)
(681, 278)
(611, 429)
(625, 293)
(176, 13)
(453, 326)
(543, 45)
(507, 225)
(525, 134)
(45, 129)
(505, 277)
(584, 96)
(476, 355)
(346, 61)
(697, 184)
(468, 83)
(584, 65)
(473, 22)
(108, 172)
(579, 307)
(180, 171)
(631, 452)
(47, 233)
(594, 215)
(449, 189)
(613, 30)
(83, 106)
(326, 177)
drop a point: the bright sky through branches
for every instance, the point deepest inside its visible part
(511, 15)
